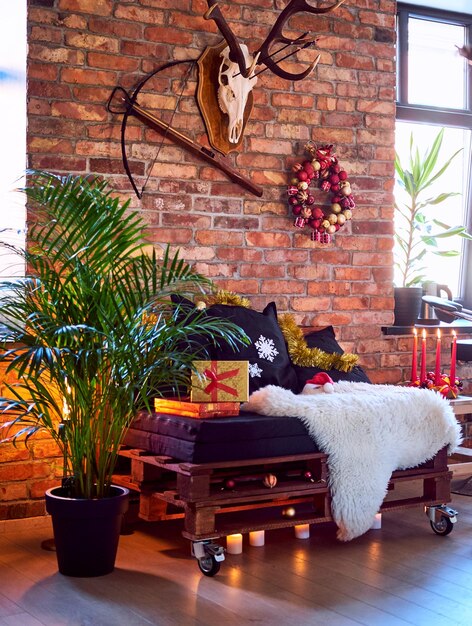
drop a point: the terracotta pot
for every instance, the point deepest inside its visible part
(86, 532)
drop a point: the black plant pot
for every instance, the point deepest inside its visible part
(86, 532)
(407, 305)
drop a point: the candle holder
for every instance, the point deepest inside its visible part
(442, 384)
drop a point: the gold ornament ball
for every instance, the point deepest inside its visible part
(289, 512)
(303, 185)
(316, 165)
(332, 218)
(341, 219)
(200, 305)
(331, 229)
(325, 224)
(346, 190)
(269, 481)
(348, 214)
(336, 207)
(294, 181)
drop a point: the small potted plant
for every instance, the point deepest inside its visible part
(94, 337)
(416, 232)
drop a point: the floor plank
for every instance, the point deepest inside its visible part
(401, 574)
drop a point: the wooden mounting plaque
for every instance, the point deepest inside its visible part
(216, 122)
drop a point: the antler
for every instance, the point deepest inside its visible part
(275, 35)
(235, 53)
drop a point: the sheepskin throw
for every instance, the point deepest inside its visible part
(368, 431)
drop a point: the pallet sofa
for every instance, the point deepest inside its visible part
(214, 473)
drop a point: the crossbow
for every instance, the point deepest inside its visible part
(121, 102)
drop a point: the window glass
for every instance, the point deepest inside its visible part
(436, 72)
(443, 270)
(13, 132)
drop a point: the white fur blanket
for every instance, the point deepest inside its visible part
(368, 431)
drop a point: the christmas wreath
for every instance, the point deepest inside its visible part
(323, 167)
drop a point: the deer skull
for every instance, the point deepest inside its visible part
(234, 90)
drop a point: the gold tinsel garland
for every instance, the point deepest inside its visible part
(304, 356)
(229, 297)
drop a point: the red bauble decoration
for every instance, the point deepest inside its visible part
(323, 168)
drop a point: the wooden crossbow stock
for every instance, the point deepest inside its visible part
(239, 66)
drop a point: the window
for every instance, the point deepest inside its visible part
(435, 90)
(13, 133)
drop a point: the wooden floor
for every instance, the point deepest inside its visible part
(401, 574)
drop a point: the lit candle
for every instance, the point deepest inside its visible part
(437, 368)
(452, 376)
(423, 357)
(257, 538)
(414, 360)
(377, 523)
(234, 543)
(302, 531)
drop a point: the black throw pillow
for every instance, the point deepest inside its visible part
(325, 339)
(269, 361)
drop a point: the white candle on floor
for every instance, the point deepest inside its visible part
(302, 531)
(257, 538)
(234, 544)
(377, 523)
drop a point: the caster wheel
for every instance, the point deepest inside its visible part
(443, 527)
(209, 566)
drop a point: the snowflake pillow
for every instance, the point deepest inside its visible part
(269, 362)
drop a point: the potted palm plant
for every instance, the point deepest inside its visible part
(94, 336)
(416, 232)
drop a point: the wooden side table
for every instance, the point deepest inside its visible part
(461, 461)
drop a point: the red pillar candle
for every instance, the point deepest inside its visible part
(452, 375)
(414, 359)
(423, 358)
(437, 368)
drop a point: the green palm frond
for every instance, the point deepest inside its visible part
(413, 232)
(94, 329)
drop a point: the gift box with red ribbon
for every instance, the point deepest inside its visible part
(220, 381)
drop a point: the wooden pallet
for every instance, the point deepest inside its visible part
(198, 493)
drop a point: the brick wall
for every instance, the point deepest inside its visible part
(80, 49)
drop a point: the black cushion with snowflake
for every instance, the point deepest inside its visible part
(325, 339)
(269, 361)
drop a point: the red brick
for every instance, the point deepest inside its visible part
(262, 271)
(91, 42)
(88, 77)
(267, 240)
(298, 101)
(282, 286)
(56, 55)
(94, 7)
(13, 491)
(38, 488)
(112, 62)
(57, 146)
(248, 255)
(122, 30)
(50, 35)
(137, 14)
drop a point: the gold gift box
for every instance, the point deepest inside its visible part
(220, 381)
